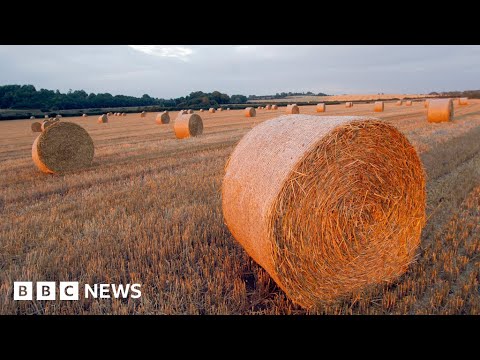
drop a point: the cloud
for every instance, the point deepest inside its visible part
(180, 52)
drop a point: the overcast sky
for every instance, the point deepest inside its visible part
(168, 71)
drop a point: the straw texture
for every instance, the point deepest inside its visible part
(440, 110)
(326, 205)
(378, 106)
(250, 112)
(188, 125)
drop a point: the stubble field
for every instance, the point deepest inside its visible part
(149, 211)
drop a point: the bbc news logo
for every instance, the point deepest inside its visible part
(70, 290)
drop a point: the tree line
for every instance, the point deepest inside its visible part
(472, 94)
(28, 97)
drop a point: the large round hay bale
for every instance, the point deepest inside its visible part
(250, 112)
(408, 103)
(463, 101)
(124, 114)
(190, 111)
(84, 115)
(326, 205)
(63, 147)
(36, 127)
(219, 109)
(188, 125)
(292, 109)
(46, 116)
(379, 106)
(58, 116)
(201, 110)
(162, 118)
(274, 107)
(32, 117)
(399, 103)
(259, 108)
(102, 119)
(109, 114)
(321, 107)
(349, 104)
(268, 107)
(143, 114)
(212, 110)
(440, 110)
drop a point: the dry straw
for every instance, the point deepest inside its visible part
(379, 106)
(228, 109)
(463, 101)
(36, 127)
(46, 116)
(399, 103)
(274, 107)
(188, 125)
(321, 107)
(124, 114)
(440, 110)
(46, 124)
(190, 111)
(102, 119)
(212, 110)
(336, 204)
(143, 114)
(162, 118)
(63, 147)
(268, 107)
(250, 112)
(220, 109)
(292, 109)
(32, 117)
(349, 104)
(408, 103)
(201, 110)
(426, 103)
(84, 115)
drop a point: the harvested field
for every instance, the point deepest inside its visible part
(148, 210)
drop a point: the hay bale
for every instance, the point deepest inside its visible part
(201, 110)
(212, 110)
(321, 107)
(36, 127)
(408, 103)
(188, 125)
(228, 109)
(163, 118)
(58, 116)
(190, 111)
(440, 110)
(259, 108)
(379, 106)
(292, 109)
(463, 101)
(46, 124)
(63, 147)
(219, 109)
(46, 116)
(124, 114)
(180, 113)
(349, 104)
(399, 103)
(268, 107)
(143, 114)
(425, 103)
(32, 117)
(336, 204)
(274, 107)
(250, 112)
(109, 114)
(84, 115)
(102, 119)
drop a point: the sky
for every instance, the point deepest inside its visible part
(169, 71)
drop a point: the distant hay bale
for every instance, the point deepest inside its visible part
(349, 104)
(331, 217)
(102, 119)
(162, 118)
(219, 109)
(58, 116)
(379, 106)
(46, 116)
(84, 115)
(463, 101)
(228, 109)
(63, 147)
(274, 107)
(32, 117)
(143, 114)
(250, 112)
(399, 103)
(321, 107)
(268, 107)
(36, 127)
(190, 111)
(408, 103)
(188, 125)
(440, 110)
(46, 124)
(259, 108)
(180, 113)
(109, 114)
(292, 109)
(201, 110)
(425, 103)
(212, 110)
(124, 114)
